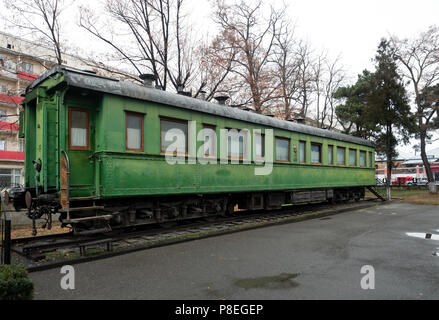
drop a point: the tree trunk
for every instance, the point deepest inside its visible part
(427, 168)
(389, 179)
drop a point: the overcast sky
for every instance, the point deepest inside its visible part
(351, 29)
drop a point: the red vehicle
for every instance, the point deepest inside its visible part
(401, 181)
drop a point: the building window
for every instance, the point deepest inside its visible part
(2, 144)
(3, 88)
(10, 65)
(134, 131)
(362, 158)
(10, 178)
(316, 153)
(209, 140)
(330, 154)
(236, 143)
(2, 115)
(259, 146)
(282, 149)
(341, 156)
(26, 67)
(174, 132)
(79, 122)
(352, 157)
(302, 151)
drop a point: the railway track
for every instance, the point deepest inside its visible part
(51, 251)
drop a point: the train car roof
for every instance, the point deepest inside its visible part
(87, 80)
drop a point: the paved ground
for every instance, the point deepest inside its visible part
(315, 259)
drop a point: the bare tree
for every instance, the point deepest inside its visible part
(152, 36)
(286, 67)
(142, 34)
(41, 18)
(253, 37)
(419, 62)
(215, 67)
(333, 78)
(306, 80)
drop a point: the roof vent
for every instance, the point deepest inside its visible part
(203, 95)
(90, 71)
(147, 78)
(300, 120)
(222, 99)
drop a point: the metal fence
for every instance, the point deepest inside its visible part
(2, 231)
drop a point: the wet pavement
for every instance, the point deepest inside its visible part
(314, 259)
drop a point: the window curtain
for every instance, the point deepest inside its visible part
(315, 154)
(78, 132)
(134, 132)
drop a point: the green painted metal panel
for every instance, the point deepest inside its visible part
(107, 169)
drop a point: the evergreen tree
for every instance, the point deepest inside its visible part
(388, 106)
(351, 112)
(378, 106)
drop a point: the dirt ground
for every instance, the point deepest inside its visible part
(26, 231)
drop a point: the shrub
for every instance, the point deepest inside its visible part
(15, 284)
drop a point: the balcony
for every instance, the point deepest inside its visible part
(10, 99)
(26, 76)
(11, 156)
(8, 127)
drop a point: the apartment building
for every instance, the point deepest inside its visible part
(21, 62)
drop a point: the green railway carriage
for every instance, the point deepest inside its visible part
(96, 150)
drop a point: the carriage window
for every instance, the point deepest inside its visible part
(174, 135)
(316, 153)
(236, 143)
(362, 158)
(352, 157)
(134, 131)
(330, 154)
(341, 156)
(302, 151)
(79, 129)
(209, 140)
(259, 146)
(282, 149)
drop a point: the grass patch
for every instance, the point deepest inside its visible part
(411, 195)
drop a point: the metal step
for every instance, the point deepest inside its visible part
(76, 220)
(84, 198)
(372, 189)
(82, 209)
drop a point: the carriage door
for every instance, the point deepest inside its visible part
(80, 151)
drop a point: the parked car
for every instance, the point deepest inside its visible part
(417, 182)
